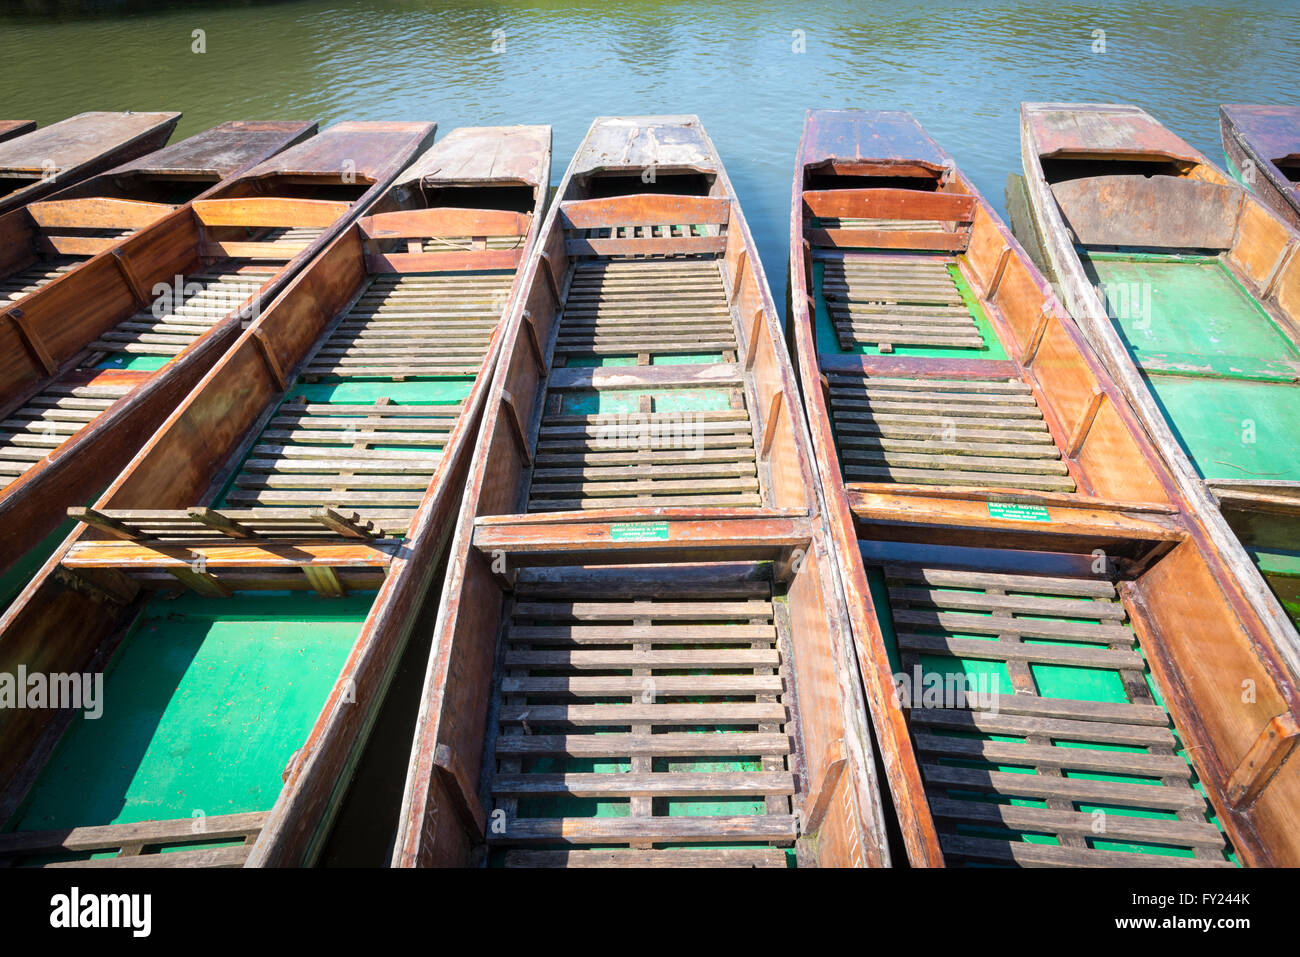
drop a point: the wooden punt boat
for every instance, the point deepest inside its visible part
(1006, 530)
(39, 162)
(11, 128)
(45, 239)
(361, 387)
(93, 362)
(1188, 288)
(1262, 146)
(640, 657)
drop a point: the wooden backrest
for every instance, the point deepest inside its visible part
(466, 232)
(268, 212)
(1160, 211)
(888, 204)
(651, 212)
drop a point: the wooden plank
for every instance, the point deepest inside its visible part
(599, 830)
(675, 246)
(726, 713)
(644, 209)
(448, 261)
(109, 836)
(886, 239)
(97, 212)
(636, 857)
(444, 221)
(1071, 789)
(1117, 827)
(888, 203)
(1046, 855)
(683, 784)
(269, 211)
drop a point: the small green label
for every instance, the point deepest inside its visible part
(639, 532)
(1018, 512)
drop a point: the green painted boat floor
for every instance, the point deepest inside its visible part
(203, 705)
(828, 342)
(1052, 681)
(1217, 364)
(627, 401)
(135, 363)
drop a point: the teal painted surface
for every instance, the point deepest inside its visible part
(203, 705)
(1217, 364)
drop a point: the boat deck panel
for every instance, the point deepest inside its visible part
(203, 706)
(27, 280)
(49, 419)
(412, 325)
(181, 314)
(690, 443)
(652, 310)
(968, 432)
(642, 716)
(904, 304)
(1059, 755)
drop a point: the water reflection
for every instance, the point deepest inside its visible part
(962, 67)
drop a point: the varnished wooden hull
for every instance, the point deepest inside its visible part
(135, 300)
(1248, 507)
(557, 535)
(978, 460)
(212, 453)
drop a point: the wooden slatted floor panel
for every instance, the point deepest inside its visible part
(376, 460)
(645, 308)
(1037, 780)
(48, 420)
(615, 448)
(25, 281)
(890, 301)
(415, 325)
(641, 715)
(959, 432)
(647, 456)
(179, 316)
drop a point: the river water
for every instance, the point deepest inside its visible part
(748, 68)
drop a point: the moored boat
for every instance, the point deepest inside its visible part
(47, 238)
(1188, 288)
(96, 360)
(640, 657)
(1262, 146)
(1053, 650)
(300, 499)
(42, 161)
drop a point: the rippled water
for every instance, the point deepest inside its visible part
(961, 67)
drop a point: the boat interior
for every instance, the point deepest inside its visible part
(74, 349)
(649, 667)
(45, 239)
(1202, 284)
(1017, 539)
(260, 527)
